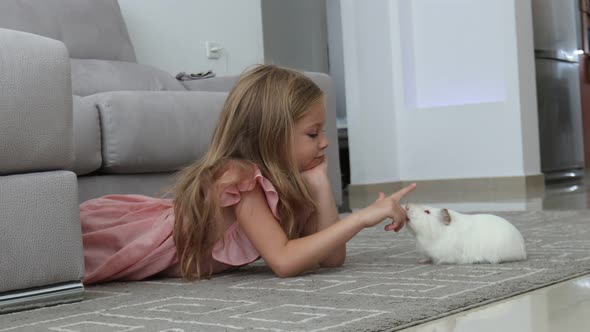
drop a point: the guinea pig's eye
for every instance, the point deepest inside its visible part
(427, 211)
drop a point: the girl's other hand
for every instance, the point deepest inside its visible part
(317, 172)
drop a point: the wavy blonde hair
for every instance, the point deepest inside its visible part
(255, 127)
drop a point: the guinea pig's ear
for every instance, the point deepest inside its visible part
(445, 216)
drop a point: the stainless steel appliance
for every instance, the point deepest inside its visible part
(558, 44)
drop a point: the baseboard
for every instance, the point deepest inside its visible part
(41, 297)
(455, 190)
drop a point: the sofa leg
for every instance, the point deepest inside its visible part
(41, 296)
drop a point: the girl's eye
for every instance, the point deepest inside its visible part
(312, 135)
(427, 211)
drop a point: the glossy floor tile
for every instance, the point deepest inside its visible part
(563, 307)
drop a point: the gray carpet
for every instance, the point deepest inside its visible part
(381, 288)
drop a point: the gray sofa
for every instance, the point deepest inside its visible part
(79, 118)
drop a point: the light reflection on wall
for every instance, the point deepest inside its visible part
(453, 53)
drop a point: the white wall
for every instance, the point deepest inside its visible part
(439, 89)
(171, 34)
(370, 105)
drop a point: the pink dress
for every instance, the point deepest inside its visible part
(129, 237)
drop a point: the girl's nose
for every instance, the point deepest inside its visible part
(324, 142)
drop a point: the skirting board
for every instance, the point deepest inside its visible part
(454, 190)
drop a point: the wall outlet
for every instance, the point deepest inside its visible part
(213, 49)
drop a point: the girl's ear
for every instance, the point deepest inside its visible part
(445, 216)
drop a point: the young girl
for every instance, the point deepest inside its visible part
(261, 190)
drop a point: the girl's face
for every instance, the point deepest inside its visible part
(310, 140)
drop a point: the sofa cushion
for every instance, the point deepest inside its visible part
(95, 76)
(91, 29)
(35, 104)
(145, 132)
(87, 147)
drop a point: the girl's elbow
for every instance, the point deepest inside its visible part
(333, 263)
(285, 268)
(336, 260)
(336, 264)
(284, 271)
(283, 275)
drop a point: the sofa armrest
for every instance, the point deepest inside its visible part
(36, 132)
(225, 83)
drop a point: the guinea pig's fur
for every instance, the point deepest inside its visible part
(449, 237)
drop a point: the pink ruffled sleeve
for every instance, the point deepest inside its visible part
(235, 248)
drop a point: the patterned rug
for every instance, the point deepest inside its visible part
(380, 288)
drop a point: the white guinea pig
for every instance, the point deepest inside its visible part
(449, 237)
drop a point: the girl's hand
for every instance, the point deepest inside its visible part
(387, 207)
(317, 174)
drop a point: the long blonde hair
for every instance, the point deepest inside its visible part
(255, 127)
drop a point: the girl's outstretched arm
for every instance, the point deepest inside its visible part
(291, 257)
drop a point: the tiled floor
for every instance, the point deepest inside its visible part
(563, 307)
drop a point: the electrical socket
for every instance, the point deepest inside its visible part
(213, 50)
